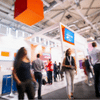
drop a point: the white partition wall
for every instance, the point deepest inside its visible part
(11, 45)
(79, 47)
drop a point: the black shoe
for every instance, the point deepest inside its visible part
(39, 97)
(97, 95)
(55, 80)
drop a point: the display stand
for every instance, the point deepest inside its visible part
(11, 95)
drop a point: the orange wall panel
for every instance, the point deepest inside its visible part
(6, 54)
(41, 51)
(15, 54)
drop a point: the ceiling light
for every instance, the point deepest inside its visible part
(91, 38)
(12, 8)
(87, 31)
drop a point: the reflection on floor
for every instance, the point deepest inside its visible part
(58, 91)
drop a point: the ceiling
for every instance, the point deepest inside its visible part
(82, 16)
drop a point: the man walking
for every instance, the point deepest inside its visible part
(95, 60)
(55, 72)
(38, 66)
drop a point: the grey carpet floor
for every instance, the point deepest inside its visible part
(82, 91)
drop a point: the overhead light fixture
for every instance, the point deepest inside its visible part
(87, 31)
(78, 3)
(91, 38)
(12, 8)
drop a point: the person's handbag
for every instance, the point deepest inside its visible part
(63, 68)
(44, 82)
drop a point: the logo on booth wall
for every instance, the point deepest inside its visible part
(45, 56)
(68, 35)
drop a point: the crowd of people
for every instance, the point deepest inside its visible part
(26, 79)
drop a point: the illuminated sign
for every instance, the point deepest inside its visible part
(69, 36)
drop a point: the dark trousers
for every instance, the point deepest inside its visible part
(97, 76)
(55, 75)
(88, 74)
(27, 87)
(38, 77)
(50, 77)
(47, 74)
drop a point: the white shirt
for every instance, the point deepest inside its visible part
(95, 55)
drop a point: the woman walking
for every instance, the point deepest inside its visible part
(69, 66)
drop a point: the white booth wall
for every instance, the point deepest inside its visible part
(56, 54)
(11, 44)
(80, 45)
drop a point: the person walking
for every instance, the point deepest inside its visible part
(69, 67)
(49, 69)
(22, 75)
(95, 61)
(58, 71)
(55, 72)
(85, 72)
(88, 70)
(38, 66)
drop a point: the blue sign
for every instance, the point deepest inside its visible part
(69, 35)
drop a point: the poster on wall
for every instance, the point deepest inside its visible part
(7, 54)
(45, 57)
(80, 64)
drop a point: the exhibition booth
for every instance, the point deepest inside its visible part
(68, 39)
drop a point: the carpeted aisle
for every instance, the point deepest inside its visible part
(82, 91)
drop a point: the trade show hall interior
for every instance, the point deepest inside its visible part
(49, 27)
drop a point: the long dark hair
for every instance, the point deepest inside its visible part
(19, 56)
(66, 54)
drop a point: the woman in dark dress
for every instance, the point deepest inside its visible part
(22, 75)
